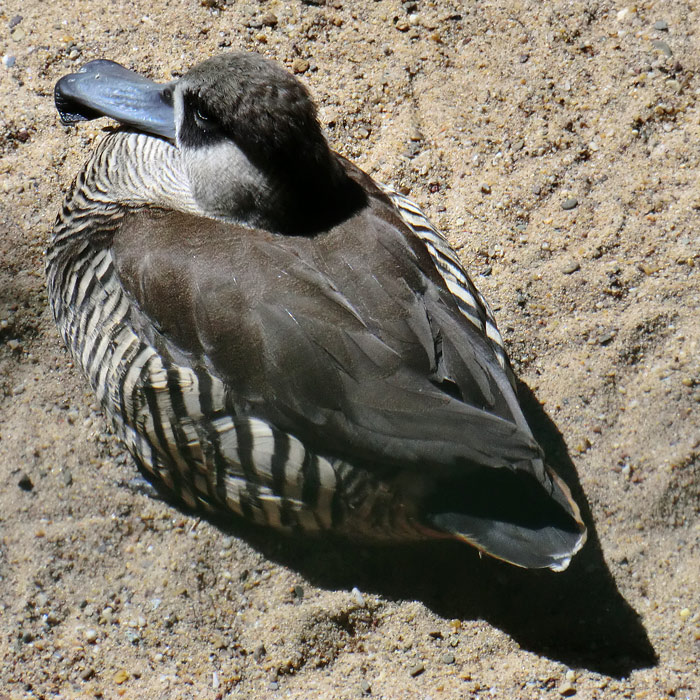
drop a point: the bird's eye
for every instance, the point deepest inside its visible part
(203, 118)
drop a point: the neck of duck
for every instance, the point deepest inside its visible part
(299, 194)
(131, 170)
(128, 170)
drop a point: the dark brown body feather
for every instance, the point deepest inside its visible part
(348, 340)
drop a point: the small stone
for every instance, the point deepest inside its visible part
(274, 685)
(606, 338)
(87, 674)
(27, 637)
(684, 614)
(661, 25)
(90, 636)
(269, 19)
(133, 637)
(413, 149)
(447, 658)
(570, 203)
(485, 188)
(298, 592)
(571, 267)
(120, 677)
(566, 689)
(25, 483)
(582, 446)
(259, 652)
(663, 47)
(8, 61)
(218, 641)
(14, 21)
(416, 669)
(365, 687)
(67, 478)
(52, 618)
(300, 65)
(524, 58)
(18, 34)
(359, 598)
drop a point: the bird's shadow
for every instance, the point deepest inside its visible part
(577, 617)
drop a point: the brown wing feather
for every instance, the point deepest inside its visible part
(347, 339)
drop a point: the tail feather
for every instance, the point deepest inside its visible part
(511, 516)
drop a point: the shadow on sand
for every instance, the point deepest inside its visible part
(577, 617)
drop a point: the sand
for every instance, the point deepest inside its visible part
(556, 144)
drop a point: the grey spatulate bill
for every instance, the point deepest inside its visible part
(106, 89)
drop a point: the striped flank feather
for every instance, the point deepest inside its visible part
(470, 300)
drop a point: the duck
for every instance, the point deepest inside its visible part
(277, 337)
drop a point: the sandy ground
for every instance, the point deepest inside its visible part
(491, 116)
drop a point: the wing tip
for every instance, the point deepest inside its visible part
(512, 518)
(547, 549)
